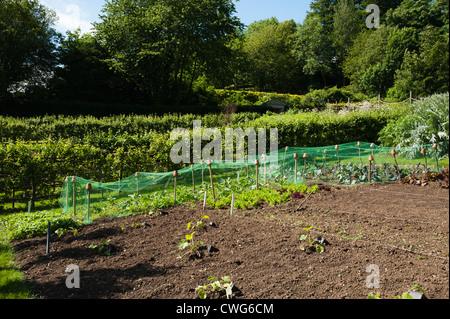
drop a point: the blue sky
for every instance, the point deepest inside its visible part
(81, 13)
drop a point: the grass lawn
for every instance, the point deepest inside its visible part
(12, 284)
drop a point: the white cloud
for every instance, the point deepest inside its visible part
(70, 16)
(71, 19)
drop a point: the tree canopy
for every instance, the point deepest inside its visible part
(159, 52)
(27, 44)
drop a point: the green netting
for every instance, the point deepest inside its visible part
(343, 165)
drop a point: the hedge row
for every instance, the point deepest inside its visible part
(37, 167)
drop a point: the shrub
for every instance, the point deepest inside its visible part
(427, 122)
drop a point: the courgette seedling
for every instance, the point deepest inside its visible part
(312, 243)
(224, 284)
(189, 242)
(407, 295)
(103, 248)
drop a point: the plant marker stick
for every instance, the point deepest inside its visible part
(424, 152)
(295, 176)
(211, 178)
(436, 156)
(204, 200)
(88, 188)
(175, 174)
(47, 250)
(257, 171)
(74, 180)
(370, 167)
(232, 204)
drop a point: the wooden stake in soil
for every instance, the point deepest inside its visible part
(120, 178)
(246, 163)
(203, 180)
(67, 193)
(232, 204)
(424, 152)
(265, 171)
(436, 157)
(337, 155)
(74, 198)
(47, 249)
(88, 188)
(370, 167)
(394, 153)
(305, 156)
(193, 179)
(295, 169)
(211, 178)
(137, 183)
(284, 159)
(359, 151)
(372, 146)
(175, 174)
(257, 173)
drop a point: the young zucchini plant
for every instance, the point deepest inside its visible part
(313, 244)
(222, 285)
(189, 242)
(103, 249)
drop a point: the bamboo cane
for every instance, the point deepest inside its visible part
(295, 172)
(257, 172)
(88, 188)
(436, 157)
(193, 179)
(211, 178)
(424, 152)
(175, 174)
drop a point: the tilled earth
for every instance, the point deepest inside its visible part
(400, 230)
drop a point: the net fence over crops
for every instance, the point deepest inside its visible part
(343, 165)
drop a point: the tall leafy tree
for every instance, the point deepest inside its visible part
(27, 43)
(161, 44)
(269, 46)
(83, 73)
(314, 51)
(347, 23)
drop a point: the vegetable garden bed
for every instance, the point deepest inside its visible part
(402, 229)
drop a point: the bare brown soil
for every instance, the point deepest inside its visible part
(403, 229)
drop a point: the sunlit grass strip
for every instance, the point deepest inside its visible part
(12, 281)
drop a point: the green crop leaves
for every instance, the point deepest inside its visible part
(220, 285)
(24, 225)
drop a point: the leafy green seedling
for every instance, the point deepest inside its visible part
(103, 248)
(407, 295)
(224, 284)
(312, 243)
(189, 242)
